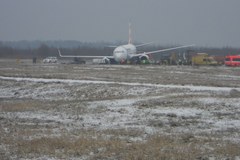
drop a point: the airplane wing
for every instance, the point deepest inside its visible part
(163, 50)
(144, 44)
(74, 56)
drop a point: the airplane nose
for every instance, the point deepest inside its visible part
(120, 57)
(117, 57)
(120, 54)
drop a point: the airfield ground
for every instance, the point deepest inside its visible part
(67, 111)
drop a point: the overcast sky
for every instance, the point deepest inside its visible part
(207, 23)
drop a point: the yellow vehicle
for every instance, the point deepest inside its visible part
(203, 59)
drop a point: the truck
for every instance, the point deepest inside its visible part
(50, 60)
(232, 60)
(203, 59)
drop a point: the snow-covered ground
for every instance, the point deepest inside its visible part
(148, 99)
(124, 112)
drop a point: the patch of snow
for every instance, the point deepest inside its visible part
(192, 88)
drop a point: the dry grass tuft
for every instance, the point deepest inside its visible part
(19, 106)
(100, 147)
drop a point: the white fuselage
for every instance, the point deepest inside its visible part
(124, 53)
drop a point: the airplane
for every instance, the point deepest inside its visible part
(126, 53)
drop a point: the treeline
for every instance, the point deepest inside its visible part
(45, 51)
(26, 49)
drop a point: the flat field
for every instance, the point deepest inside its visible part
(68, 111)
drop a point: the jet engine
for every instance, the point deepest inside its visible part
(139, 59)
(144, 57)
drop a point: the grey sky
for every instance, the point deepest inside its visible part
(202, 22)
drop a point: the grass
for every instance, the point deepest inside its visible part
(19, 106)
(96, 146)
(33, 141)
(36, 137)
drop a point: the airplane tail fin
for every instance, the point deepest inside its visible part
(130, 34)
(59, 52)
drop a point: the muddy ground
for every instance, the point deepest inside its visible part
(67, 111)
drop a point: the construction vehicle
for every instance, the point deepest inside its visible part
(203, 59)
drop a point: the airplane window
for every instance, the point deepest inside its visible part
(121, 51)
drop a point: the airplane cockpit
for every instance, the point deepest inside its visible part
(120, 54)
